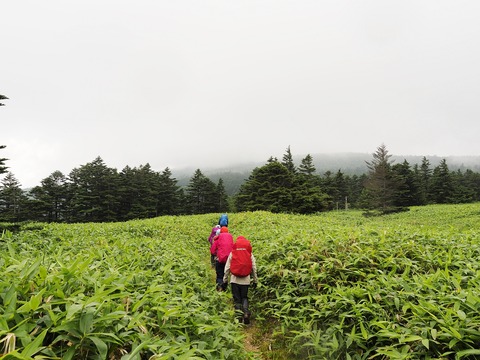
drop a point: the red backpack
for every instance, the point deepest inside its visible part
(241, 263)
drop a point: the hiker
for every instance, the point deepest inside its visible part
(241, 266)
(223, 221)
(215, 231)
(221, 248)
(213, 236)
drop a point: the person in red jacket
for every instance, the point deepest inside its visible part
(221, 248)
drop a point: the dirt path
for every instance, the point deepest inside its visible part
(249, 341)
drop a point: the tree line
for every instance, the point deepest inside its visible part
(95, 192)
(281, 186)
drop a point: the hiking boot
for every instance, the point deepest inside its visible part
(246, 313)
(239, 313)
(246, 317)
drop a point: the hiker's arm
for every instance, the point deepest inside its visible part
(254, 269)
(227, 268)
(213, 248)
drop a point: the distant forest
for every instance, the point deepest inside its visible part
(378, 183)
(348, 163)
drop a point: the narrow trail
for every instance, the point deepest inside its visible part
(249, 342)
(249, 332)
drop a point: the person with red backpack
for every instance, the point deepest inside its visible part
(221, 248)
(241, 266)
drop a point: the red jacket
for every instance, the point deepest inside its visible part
(222, 247)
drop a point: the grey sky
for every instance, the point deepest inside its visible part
(206, 83)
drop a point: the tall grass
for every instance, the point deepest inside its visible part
(134, 290)
(332, 286)
(403, 286)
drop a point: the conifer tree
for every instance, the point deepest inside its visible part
(328, 185)
(222, 197)
(442, 184)
(50, 199)
(94, 190)
(306, 166)
(201, 194)
(308, 194)
(425, 178)
(462, 192)
(355, 187)
(407, 191)
(140, 186)
(269, 188)
(287, 161)
(3, 168)
(471, 181)
(340, 194)
(12, 199)
(127, 197)
(381, 187)
(169, 195)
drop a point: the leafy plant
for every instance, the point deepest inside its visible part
(332, 285)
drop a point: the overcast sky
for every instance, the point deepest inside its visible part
(207, 83)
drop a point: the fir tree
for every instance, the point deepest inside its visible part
(425, 175)
(442, 184)
(12, 199)
(269, 187)
(381, 187)
(306, 166)
(50, 200)
(222, 197)
(3, 168)
(287, 161)
(407, 192)
(169, 195)
(201, 194)
(94, 190)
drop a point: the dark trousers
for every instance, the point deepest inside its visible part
(220, 270)
(212, 260)
(240, 300)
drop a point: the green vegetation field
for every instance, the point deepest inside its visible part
(336, 285)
